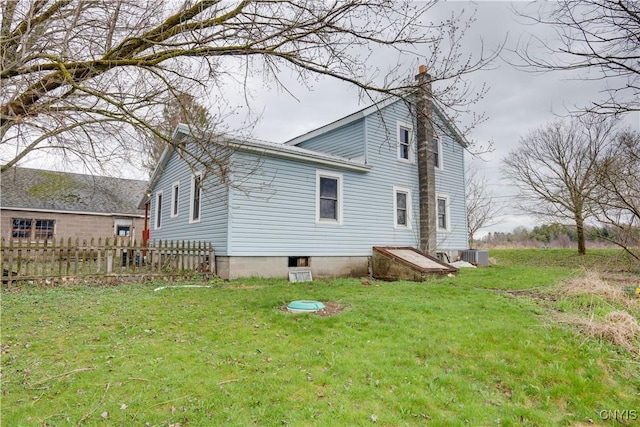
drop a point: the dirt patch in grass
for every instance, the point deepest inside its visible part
(531, 293)
(330, 308)
(243, 286)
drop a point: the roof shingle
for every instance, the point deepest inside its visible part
(25, 188)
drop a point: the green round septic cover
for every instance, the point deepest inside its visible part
(305, 306)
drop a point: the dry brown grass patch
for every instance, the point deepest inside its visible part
(591, 283)
(617, 327)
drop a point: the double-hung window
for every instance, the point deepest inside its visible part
(158, 218)
(442, 206)
(196, 197)
(175, 192)
(328, 197)
(43, 229)
(404, 141)
(21, 228)
(437, 153)
(402, 207)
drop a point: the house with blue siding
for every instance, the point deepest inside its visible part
(320, 201)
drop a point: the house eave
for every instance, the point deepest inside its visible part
(368, 111)
(341, 122)
(58, 211)
(285, 153)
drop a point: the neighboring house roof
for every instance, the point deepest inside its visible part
(42, 190)
(372, 109)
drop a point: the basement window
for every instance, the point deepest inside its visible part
(298, 261)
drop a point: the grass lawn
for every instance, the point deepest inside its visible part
(462, 350)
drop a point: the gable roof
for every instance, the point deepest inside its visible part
(42, 190)
(372, 109)
(262, 148)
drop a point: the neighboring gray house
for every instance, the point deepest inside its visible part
(39, 205)
(321, 200)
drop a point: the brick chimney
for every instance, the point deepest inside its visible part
(426, 161)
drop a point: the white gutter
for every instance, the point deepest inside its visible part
(8, 208)
(288, 152)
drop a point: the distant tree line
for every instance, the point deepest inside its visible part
(554, 235)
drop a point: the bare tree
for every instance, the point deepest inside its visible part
(601, 37)
(182, 108)
(617, 201)
(482, 206)
(90, 79)
(555, 169)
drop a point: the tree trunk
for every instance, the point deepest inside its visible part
(426, 166)
(582, 247)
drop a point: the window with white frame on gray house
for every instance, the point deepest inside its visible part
(404, 141)
(437, 153)
(196, 198)
(443, 214)
(402, 207)
(329, 197)
(175, 191)
(158, 219)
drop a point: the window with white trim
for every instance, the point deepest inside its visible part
(328, 197)
(175, 192)
(401, 207)
(405, 136)
(437, 153)
(442, 208)
(123, 226)
(158, 211)
(195, 207)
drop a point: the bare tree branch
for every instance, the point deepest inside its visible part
(555, 169)
(482, 207)
(616, 204)
(104, 71)
(601, 37)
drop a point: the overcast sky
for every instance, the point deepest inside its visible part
(517, 101)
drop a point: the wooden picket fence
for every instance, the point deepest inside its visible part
(102, 260)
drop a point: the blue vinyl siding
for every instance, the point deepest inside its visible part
(213, 223)
(285, 223)
(450, 181)
(273, 213)
(347, 141)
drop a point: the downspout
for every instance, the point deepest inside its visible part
(426, 165)
(145, 232)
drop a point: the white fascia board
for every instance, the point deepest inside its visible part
(451, 125)
(287, 153)
(181, 129)
(57, 211)
(372, 109)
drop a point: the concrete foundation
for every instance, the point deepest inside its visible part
(233, 267)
